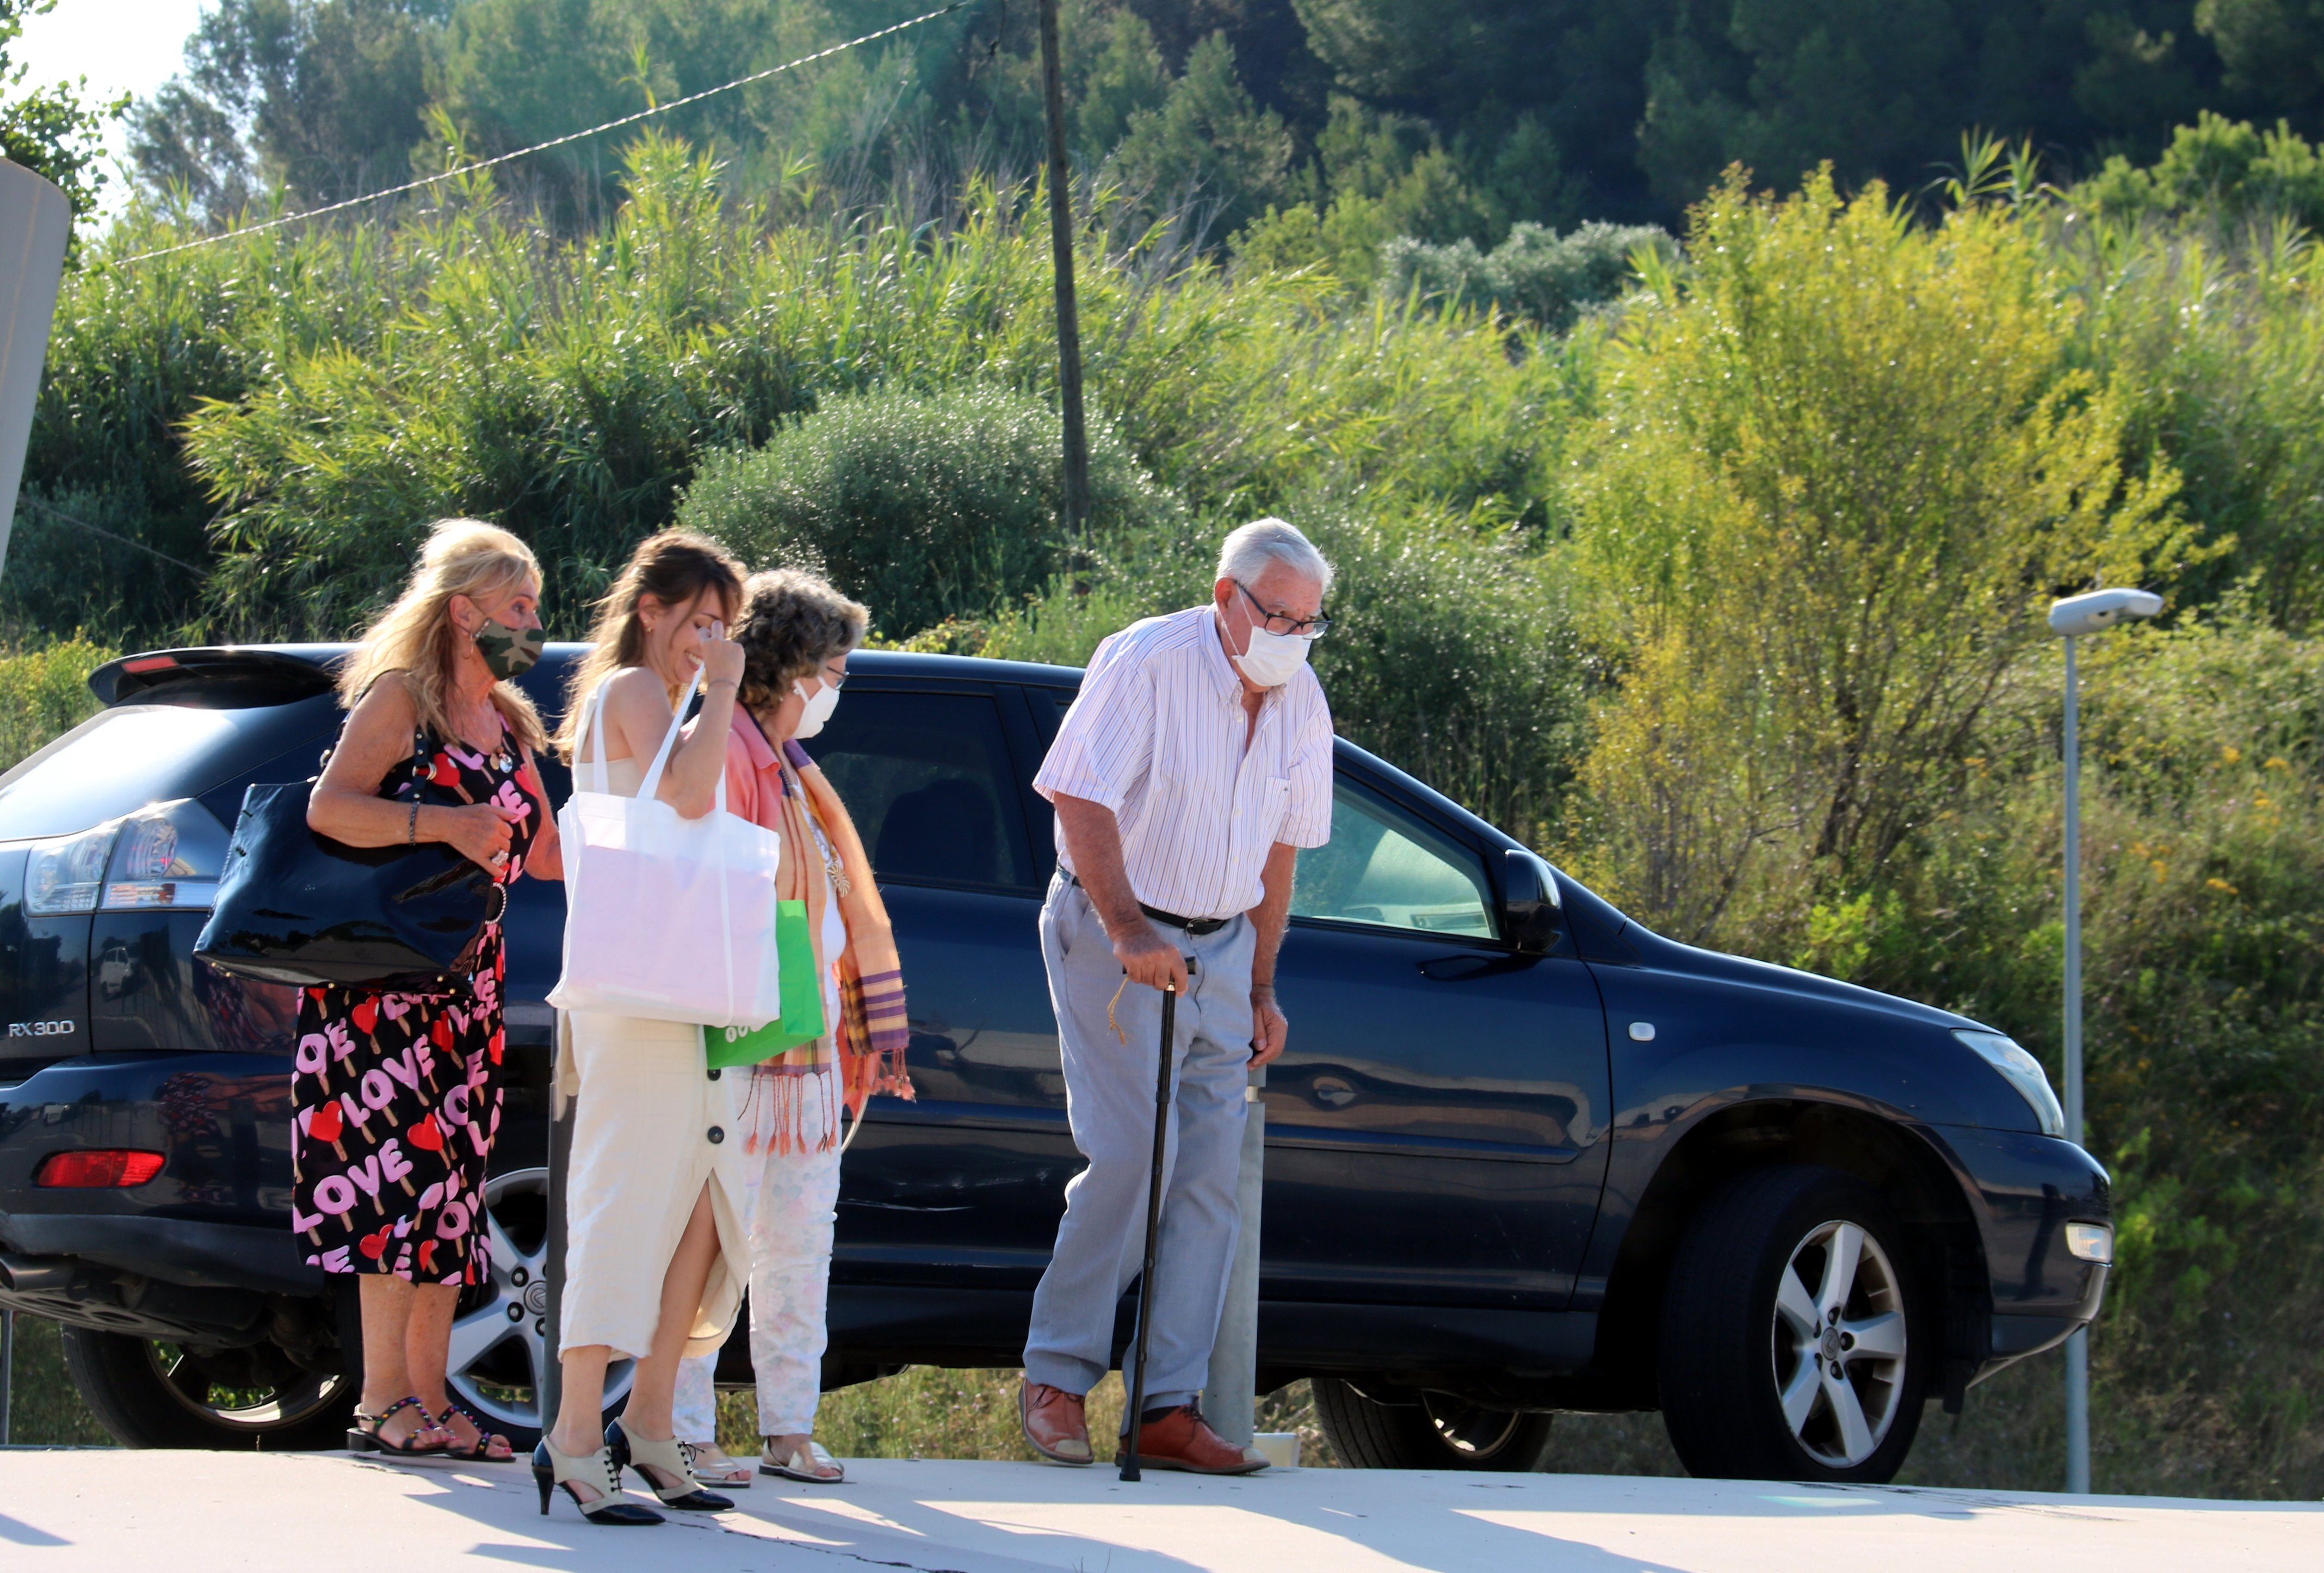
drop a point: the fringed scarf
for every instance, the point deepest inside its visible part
(868, 1041)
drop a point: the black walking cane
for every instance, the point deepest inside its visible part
(1137, 1416)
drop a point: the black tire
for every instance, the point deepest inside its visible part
(1436, 1432)
(1730, 1354)
(150, 1394)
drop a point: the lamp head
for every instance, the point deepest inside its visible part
(2097, 611)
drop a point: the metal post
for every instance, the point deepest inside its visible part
(1230, 1397)
(2077, 1346)
(7, 1370)
(1061, 247)
(1133, 1419)
(561, 1163)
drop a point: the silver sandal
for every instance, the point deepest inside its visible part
(801, 1465)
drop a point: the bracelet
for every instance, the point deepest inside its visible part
(412, 831)
(724, 683)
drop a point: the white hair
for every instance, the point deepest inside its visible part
(1245, 553)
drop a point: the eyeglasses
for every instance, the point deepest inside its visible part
(1276, 623)
(834, 679)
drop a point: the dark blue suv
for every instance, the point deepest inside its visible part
(1522, 1156)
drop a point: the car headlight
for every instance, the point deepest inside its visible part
(2090, 1243)
(2021, 1071)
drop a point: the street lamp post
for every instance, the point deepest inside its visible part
(2073, 618)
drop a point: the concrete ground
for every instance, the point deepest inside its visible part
(237, 1513)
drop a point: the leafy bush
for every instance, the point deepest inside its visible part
(45, 693)
(923, 505)
(1536, 274)
(2219, 172)
(2220, 349)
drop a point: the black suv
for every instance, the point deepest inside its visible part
(1522, 1156)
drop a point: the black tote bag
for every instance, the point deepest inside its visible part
(299, 908)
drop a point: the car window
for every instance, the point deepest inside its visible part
(1384, 866)
(927, 780)
(116, 761)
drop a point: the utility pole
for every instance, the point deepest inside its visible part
(1061, 247)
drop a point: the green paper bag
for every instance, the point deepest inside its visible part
(802, 1018)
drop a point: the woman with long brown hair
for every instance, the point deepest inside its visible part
(656, 1253)
(397, 1094)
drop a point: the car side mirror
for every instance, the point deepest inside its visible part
(1531, 917)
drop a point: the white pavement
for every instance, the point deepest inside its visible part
(243, 1512)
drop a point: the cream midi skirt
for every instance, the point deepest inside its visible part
(651, 1129)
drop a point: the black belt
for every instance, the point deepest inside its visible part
(1197, 927)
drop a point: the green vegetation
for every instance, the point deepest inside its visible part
(45, 693)
(929, 506)
(1714, 569)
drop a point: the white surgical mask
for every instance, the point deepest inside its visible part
(1273, 658)
(819, 707)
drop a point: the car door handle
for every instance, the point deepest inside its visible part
(1332, 1092)
(1470, 966)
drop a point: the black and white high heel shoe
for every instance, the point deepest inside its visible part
(656, 1461)
(552, 1470)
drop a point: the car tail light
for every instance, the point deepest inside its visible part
(98, 1168)
(169, 855)
(68, 873)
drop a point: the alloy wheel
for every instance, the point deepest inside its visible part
(499, 1337)
(1838, 1344)
(228, 1391)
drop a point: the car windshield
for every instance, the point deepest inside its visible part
(117, 761)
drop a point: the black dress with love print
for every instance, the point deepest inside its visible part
(397, 1096)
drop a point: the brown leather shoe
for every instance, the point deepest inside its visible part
(1182, 1439)
(1054, 1423)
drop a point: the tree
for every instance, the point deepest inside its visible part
(1838, 478)
(50, 130)
(2273, 50)
(1210, 142)
(330, 91)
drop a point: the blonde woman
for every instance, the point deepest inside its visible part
(438, 747)
(656, 1255)
(796, 632)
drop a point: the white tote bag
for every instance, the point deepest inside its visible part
(667, 918)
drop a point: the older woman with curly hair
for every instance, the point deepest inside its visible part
(796, 632)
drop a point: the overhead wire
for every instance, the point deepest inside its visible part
(62, 517)
(467, 168)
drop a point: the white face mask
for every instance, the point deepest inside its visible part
(819, 707)
(1273, 658)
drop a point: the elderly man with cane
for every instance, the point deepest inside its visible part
(1193, 765)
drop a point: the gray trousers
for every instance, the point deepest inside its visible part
(1110, 1102)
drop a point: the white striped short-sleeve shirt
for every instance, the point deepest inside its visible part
(1157, 736)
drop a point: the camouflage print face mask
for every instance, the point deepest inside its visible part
(509, 651)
